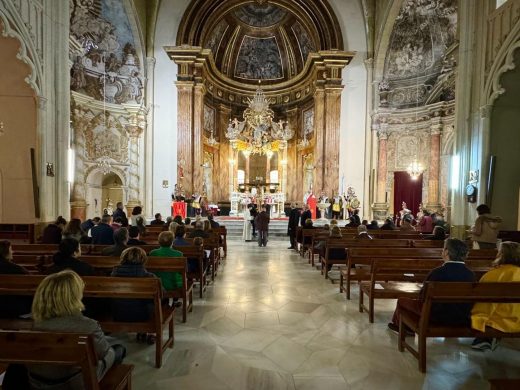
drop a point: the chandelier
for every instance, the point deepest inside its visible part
(258, 133)
(415, 169)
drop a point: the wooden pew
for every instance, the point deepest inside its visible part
(70, 349)
(196, 252)
(392, 279)
(453, 292)
(107, 287)
(427, 244)
(222, 231)
(154, 264)
(504, 384)
(29, 249)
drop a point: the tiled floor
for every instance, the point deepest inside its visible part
(271, 322)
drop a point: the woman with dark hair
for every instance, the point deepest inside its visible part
(388, 225)
(439, 233)
(485, 229)
(140, 225)
(178, 220)
(504, 317)
(137, 213)
(53, 231)
(73, 230)
(426, 223)
(67, 258)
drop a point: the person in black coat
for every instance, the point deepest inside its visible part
(67, 258)
(103, 234)
(53, 231)
(254, 212)
(133, 233)
(294, 218)
(305, 215)
(12, 306)
(119, 212)
(120, 243)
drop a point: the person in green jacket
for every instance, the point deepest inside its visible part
(170, 280)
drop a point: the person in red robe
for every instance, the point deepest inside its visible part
(311, 201)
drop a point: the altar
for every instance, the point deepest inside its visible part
(240, 200)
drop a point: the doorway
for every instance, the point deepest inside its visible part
(103, 193)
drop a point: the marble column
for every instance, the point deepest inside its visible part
(292, 169)
(434, 170)
(185, 137)
(134, 133)
(331, 144)
(224, 155)
(198, 146)
(381, 206)
(319, 137)
(369, 141)
(78, 204)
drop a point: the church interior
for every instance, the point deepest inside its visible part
(214, 133)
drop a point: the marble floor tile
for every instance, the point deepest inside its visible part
(270, 321)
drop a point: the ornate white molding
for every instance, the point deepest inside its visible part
(30, 52)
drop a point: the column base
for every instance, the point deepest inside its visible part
(78, 209)
(380, 211)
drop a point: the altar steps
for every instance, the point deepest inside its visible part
(277, 229)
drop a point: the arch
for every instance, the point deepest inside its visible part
(504, 61)
(382, 46)
(12, 26)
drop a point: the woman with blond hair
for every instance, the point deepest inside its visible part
(504, 317)
(57, 307)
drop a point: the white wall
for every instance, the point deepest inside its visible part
(353, 98)
(165, 106)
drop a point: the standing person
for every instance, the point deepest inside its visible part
(254, 212)
(262, 225)
(426, 223)
(120, 212)
(294, 219)
(246, 231)
(62, 313)
(305, 215)
(485, 229)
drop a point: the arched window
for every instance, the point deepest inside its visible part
(241, 176)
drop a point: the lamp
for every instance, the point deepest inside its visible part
(415, 169)
(2, 132)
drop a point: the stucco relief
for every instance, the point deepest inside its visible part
(106, 137)
(259, 58)
(109, 67)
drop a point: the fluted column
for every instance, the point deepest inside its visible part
(331, 144)
(381, 206)
(434, 170)
(78, 202)
(319, 136)
(185, 137)
(198, 146)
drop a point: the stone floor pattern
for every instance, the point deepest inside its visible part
(270, 321)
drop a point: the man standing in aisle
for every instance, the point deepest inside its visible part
(262, 225)
(294, 219)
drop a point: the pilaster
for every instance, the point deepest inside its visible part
(319, 137)
(184, 135)
(434, 174)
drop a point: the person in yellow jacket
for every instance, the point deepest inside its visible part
(504, 317)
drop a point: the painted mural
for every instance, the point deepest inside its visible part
(304, 41)
(109, 67)
(260, 15)
(259, 59)
(215, 38)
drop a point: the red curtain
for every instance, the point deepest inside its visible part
(407, 190)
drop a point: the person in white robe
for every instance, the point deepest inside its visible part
(246, 232)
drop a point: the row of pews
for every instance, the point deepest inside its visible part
(395, 265)
(101, 289)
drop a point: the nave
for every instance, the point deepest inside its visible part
(270, 321)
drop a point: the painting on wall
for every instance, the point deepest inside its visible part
(308, 121)
(259, 59)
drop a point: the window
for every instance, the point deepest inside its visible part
(241, 176)
(500, 3)
(273, 177)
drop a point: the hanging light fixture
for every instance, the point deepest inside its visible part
(2, 131)
(415, 169)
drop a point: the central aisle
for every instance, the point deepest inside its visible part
(272, 322)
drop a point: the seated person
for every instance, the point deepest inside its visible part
(335, 253)
(73, 230)
(132, 265)
(504, 317)
(388, 225)
(67, 256)
(214, 224)
(453, 270)
(166, 225)
(363, 233)
(352, 222)
(373, 225)
(134, 238)
(180, 232)
(207, 226)
(307, 225)
(120, 243)
(102, 233)
(178, 219)
(438, 233)
(116, 224)
(197, 241)
(140, 222)
(12, 306)
(170, 280)
(63, 314)
(158, 220)
(173, 227)
(198, 231)
(53, 231)
(406, 224)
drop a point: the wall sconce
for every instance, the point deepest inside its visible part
(165, 184)
(50, 169)
(2, 132)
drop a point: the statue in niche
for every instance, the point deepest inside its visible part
(77, 80)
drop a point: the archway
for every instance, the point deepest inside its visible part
(103, 192)
(505, 138)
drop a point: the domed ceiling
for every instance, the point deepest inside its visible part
(260, 41)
